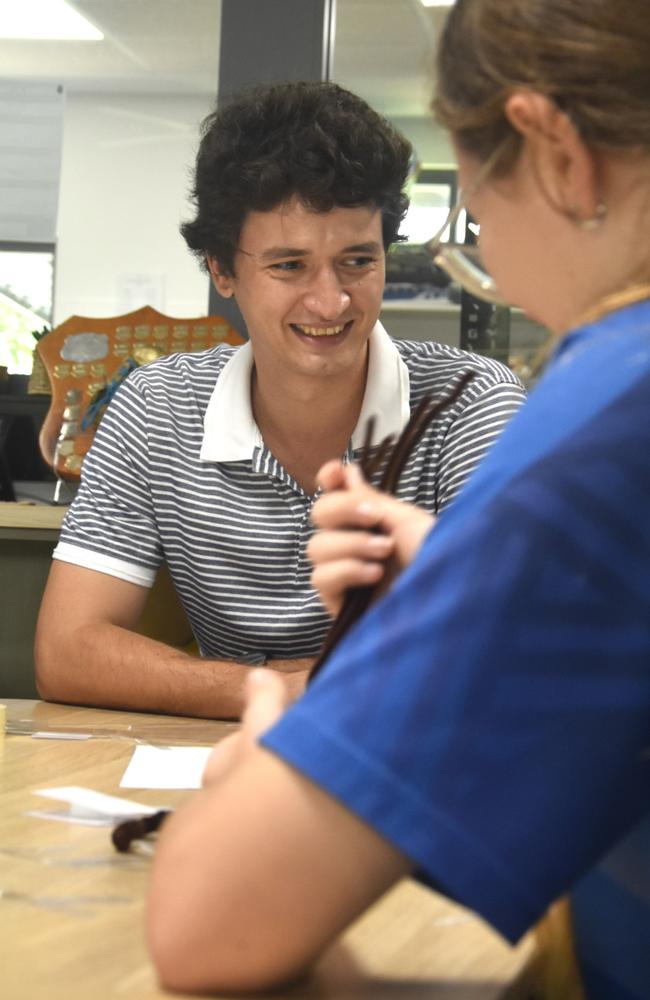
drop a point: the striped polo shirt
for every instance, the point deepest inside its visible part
(179, 472)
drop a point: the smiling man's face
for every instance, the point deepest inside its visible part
(309, 285)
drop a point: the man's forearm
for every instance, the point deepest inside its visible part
(110, 666)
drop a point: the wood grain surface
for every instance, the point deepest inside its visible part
(72, 910)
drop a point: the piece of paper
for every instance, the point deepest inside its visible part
(96, 801)
(71, 815)
(90, 808)
(165, 767)
(52, 735)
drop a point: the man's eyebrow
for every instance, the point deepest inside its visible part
(371, 247)
(275, 253)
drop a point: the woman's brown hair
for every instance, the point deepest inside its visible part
(592, 57)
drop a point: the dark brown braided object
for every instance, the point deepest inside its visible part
(129, 830)
(395, 454)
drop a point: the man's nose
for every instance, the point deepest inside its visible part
(327, 297)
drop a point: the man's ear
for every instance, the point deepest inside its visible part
(222, 282)
(566, 168)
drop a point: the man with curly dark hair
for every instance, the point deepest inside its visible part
(316, 143)
(209, 460)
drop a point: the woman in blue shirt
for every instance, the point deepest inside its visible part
(487, 723)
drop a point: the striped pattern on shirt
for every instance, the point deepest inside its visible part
(234, 534)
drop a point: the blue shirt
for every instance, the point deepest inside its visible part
(491, 715)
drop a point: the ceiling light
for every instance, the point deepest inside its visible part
(437, 3)
(44, 19)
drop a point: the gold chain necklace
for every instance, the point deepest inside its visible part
(610, 303)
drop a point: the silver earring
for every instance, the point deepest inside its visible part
(596, 220)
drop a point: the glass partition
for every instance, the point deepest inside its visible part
(384, 52)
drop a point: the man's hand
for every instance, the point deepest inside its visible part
(267, 698)
(361, 529)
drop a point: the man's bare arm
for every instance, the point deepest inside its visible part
(86, 653)
(256, 876)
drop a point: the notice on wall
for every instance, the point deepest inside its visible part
(136, 290)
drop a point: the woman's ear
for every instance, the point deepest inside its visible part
(222, 282)
(565, 167)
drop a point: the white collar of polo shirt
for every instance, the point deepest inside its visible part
(231, 435)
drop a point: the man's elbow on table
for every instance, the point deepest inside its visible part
(73, 634)
(47, 665)
(55, 663)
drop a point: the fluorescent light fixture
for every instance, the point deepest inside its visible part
(45, 19)
(437, 3)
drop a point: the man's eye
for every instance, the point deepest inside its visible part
(359, 262)
(286, 265)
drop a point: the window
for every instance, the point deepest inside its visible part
(432, 195)
(26, 291)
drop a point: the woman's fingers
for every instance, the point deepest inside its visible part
(360, 528)
(344, 559)
(331, 476)
(348, 509)
(223, 756)
(328, 546)
(336, 475)
(266, 699)
(333, 579)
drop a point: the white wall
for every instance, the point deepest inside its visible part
(125, 176)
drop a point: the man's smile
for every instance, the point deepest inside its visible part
(320, 331)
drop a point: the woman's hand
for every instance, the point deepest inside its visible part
(361, 530)
(267, 697)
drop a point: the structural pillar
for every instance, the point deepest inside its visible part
(266, 41)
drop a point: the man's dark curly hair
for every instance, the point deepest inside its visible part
(313, 141)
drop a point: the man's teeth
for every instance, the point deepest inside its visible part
(320, 331)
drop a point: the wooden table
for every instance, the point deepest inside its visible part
(74, 927)
(24, 520)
